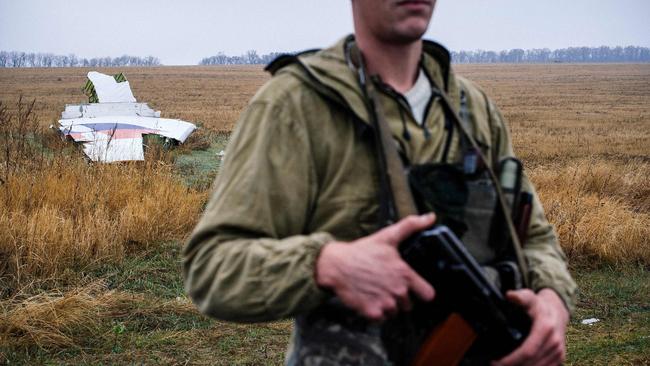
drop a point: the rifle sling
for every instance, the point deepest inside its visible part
(402, 196)
(396, 201)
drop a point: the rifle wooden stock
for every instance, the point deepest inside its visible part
(447, 343)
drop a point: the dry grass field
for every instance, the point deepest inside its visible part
(89, 266)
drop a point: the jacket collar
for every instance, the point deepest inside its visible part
(328, 71)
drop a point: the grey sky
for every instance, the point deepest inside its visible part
(183, 32)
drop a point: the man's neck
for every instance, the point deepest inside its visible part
(396, 64)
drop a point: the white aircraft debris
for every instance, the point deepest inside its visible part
(112, 125)
(110, 90)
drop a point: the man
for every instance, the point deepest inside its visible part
(291, 229)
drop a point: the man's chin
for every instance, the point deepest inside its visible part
(406, 35)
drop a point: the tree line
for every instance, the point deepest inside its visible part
(545, 55)
(249, 58)
(537, 55)
(31, 59)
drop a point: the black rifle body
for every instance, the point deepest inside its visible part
(463, 288)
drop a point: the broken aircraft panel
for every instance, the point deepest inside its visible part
(112, 129)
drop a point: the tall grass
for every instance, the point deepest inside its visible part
(600, 209)
(59, 212)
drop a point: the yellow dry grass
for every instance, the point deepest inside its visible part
(600, 209)
(58, 212)
(66, 319)
(70, 214)
(55, 319)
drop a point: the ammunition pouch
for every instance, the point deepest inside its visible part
(466, 203)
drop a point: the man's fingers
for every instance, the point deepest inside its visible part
(401, 295)
(552, 358)
(532, 348)
(374, 313)
(553, 350)
(420, 287)
(400, 231)
(525, 353)
(404, 303)
(524, 298)
(389, 307)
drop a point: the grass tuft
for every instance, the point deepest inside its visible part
(600, 210)
(56, 319)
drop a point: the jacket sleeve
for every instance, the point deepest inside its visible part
(547, 265)
(248, 258)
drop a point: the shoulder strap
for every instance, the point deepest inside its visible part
(397, 199)
(402, 195)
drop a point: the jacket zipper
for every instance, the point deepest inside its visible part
(449, 126)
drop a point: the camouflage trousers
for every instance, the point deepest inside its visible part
(333, 335)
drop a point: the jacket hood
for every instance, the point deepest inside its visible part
(328, 72)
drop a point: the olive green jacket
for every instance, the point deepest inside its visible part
(300, 171)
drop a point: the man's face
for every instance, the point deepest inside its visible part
(393, 21)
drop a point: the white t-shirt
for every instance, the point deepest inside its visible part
(418, 96)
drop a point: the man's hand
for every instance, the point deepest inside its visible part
(369, 275)
(545, 344)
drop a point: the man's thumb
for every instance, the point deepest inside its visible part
(400, 231)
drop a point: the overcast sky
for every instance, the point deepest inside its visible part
(183, 32)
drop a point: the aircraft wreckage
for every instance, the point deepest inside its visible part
(112, 125)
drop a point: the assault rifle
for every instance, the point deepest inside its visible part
(469, 319)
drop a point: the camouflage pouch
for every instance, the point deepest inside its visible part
(333, 335)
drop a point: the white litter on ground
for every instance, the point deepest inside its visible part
(590, 321)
